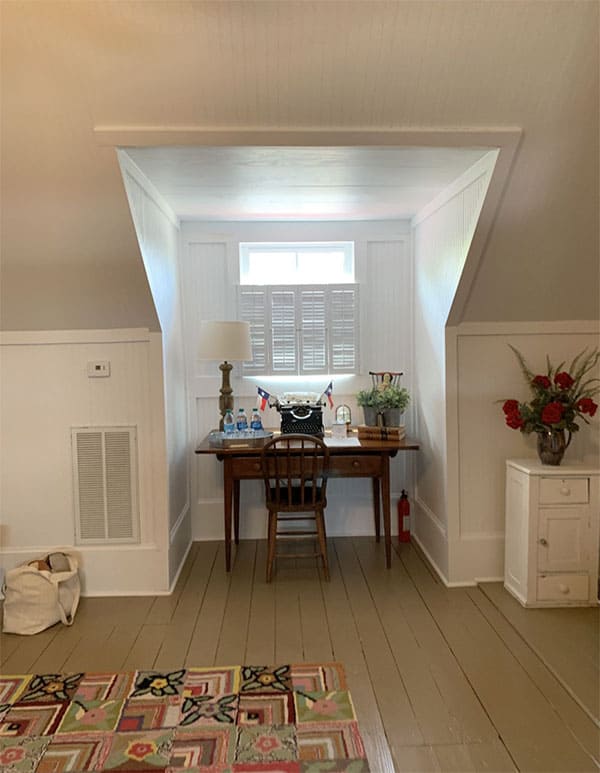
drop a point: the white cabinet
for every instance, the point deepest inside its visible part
(552, 542)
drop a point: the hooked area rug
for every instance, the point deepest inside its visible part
(289, 718)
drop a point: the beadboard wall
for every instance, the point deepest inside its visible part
(157, 230)
(443, 234)
(46, 391)
(482, 370)
(210, 274)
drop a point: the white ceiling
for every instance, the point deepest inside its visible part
(291, 183)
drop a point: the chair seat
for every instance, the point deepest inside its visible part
(282, 498)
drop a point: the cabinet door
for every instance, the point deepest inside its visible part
(562, 536)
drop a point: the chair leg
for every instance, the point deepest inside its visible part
(271, 544)
(320, 524)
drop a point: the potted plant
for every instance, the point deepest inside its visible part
(393, 401)
(369, 401)
(390, 401)
(559, 397)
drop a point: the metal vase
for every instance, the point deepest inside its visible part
(551, 446)
(391, 417)
(370, 416)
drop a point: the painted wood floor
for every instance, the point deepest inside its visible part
(442, 680)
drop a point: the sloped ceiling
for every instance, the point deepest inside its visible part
(69, 252)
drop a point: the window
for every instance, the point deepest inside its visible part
(305, 322)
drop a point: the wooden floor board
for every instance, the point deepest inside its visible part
(441, 679)
(204, 642)
(348, 649)
(550, 633)
(234, 629)
(529, 726)
(400, 722)
(260, 642)
(575, 717)
(437, 720)
(145, 648)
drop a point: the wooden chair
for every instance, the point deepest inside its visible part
(295, 469)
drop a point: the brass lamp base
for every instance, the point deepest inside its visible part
(226, 398)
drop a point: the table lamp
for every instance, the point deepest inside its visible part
(225, 341)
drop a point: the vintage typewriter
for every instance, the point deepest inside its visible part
(300, 412)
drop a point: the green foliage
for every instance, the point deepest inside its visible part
(381, 399)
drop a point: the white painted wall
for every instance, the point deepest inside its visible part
(210, 273)
(158, 235)
(46, 391)
(483, 370)
(442, 235)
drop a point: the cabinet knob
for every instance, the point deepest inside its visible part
(565, 491)
(543, 542)
(563, 588)
(356, 463)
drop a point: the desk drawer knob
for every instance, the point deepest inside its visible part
(563, 588)
(256, 466)
(356, 463)
(565, 491)
(543, 541)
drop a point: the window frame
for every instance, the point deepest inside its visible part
(348, 275)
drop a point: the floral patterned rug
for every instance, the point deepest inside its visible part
(297, 718)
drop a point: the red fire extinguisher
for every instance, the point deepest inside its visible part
(404, 517)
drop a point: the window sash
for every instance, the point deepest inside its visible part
(301, 330)
(297, 256)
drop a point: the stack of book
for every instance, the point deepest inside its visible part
(381, 433)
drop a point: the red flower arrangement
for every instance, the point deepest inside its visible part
(559, 396)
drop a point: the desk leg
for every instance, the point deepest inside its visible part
(228, 486)
(387, 522)
(376, 508)
(236, 511)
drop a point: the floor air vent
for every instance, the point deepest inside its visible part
(105, 475)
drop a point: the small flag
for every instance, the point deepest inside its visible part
(264, 398)
(329, 392)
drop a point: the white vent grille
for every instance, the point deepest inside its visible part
(105, 475)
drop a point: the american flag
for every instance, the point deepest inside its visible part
(264, 397)
(329, 392)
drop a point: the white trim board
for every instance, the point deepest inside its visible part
(40, 337)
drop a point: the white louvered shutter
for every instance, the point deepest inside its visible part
(253, 309)
(313, 330)
(343, 328)
(283, 330)
(303, 329)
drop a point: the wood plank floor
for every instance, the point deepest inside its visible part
(442, 680)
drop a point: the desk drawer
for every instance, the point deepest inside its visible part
(247, 468)
(356, 466)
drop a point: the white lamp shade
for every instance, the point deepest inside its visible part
(225, 341)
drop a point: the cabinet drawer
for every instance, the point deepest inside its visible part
(562, 587)
(561, 491)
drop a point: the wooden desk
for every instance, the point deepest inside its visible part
(368, 459)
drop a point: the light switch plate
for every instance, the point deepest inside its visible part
(98, 369)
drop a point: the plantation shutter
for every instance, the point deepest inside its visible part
(301, 329)
(283, 330)
(253, 309)
(313, 330)
(343, 329)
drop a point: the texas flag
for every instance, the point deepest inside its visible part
(329, 392)
(264, 398)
